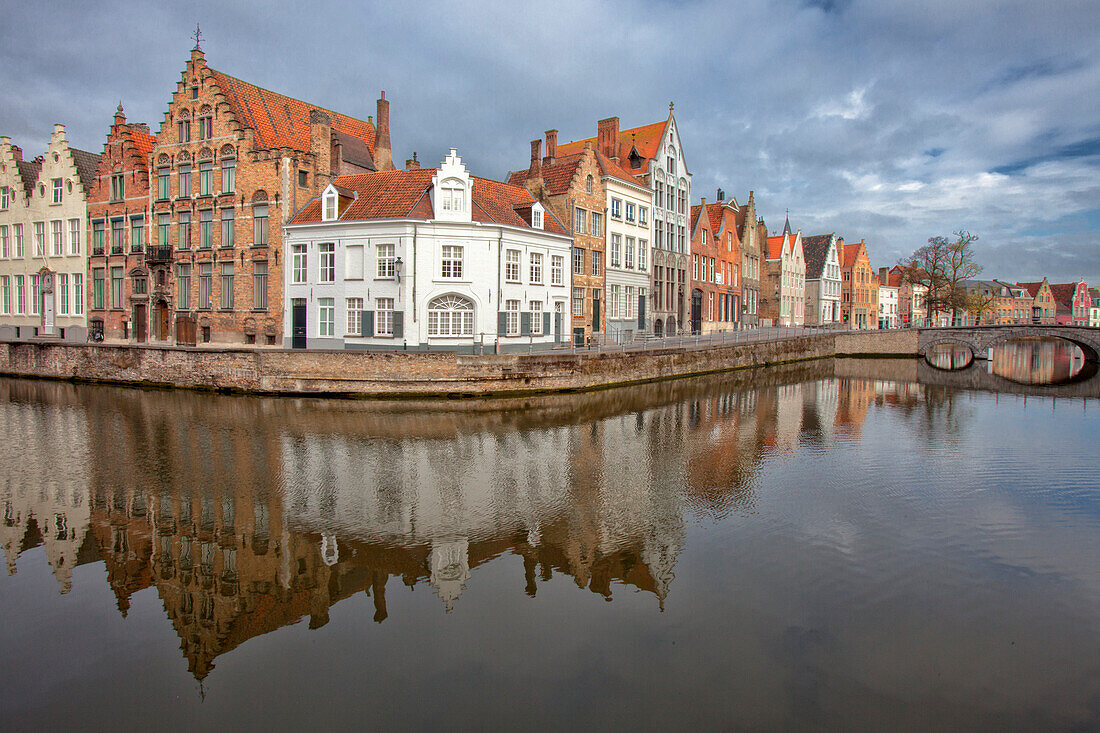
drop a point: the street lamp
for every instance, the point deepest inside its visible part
(397, 268)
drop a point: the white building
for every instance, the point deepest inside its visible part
(629, 233)
(43, 258)
(822, 280)
(426, 259)
(785, 281)
(888, 316)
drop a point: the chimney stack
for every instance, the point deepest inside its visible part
(534, 171)
(884, 275)
(383, 158)
(411, 165)
(721, 195)
(551, 147)
(607, 137)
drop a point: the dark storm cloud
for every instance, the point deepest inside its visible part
(887, 120)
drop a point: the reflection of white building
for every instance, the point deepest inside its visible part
(425, 258)
(450, 569)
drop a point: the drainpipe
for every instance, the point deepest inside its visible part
(414, 274)
(496, 314)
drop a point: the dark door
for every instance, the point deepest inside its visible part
(140, 322)
(298, 324)
(578, 337)
(696, 311)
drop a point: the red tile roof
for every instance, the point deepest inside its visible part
(280, 121)
(1063, 294)
(1031, 288)
(775, 247)
(647, 139)
(143, 141)
(848, 255)
(610, 168)
(556, 176)
(407, 195)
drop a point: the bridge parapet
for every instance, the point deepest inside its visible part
(980, 338)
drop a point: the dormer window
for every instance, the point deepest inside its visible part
(331, 210)
(536, 218)
(57, 190)
(454, 195)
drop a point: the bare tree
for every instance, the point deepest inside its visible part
(941, 265)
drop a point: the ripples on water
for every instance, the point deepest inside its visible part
(836, 545)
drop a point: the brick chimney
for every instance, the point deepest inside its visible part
(383, 158)
(884, 275)
(534, 171)
(412, 164)
(551, 147)
(607, 137)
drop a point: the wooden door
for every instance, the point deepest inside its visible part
(140, 322)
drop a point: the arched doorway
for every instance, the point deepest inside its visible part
(671, 323)
(658, 328)
(161, 316)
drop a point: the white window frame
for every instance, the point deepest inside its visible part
(326, 263)
(386, 255)
(58, 190)
(535, 307)
(78, 293)
(557, 268)
(455, 320)
(616, 208)
(74, 236)
(299, 271)
(511, 307)
(511, 266)
(536, 268)
(383, 316)
(331, 211)
(451, 261)
(353, 325)
(326, 317)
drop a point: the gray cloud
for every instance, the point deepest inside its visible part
(887, 120)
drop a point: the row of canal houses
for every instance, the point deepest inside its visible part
(250, 217)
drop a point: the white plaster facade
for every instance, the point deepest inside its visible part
(627, 256)
(443, 282)
(671, 185)
(823, 289)
(43, 251)
(888, 316)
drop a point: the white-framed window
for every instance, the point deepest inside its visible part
(259, 285)
(57, 238)
(229, 175)
(36, 292)
(5, 198)
(536, 317)
(228, 291)
(5, 242)
(57, 190)
(78, 293)
(326, 316)
(616, 208)
(511, 307)
(597, 224)
(451, 261)
(327, 272)
(629, 211)
(40, 239)
(628, 301)
(616, 250)
(578, 301)
(613, 294)
(597, 263)
(536, 219)
(331, 209)
(20, 295)
(511, 265)
(628, 253)
(578, 261)
(355, 316)
(557, 265)
(5, 294)
(387, 260)
(259, 225)
(383, 317)
(454, 195)
(643, 245)
(299, 262)
(74, 236)
(643, 215)
(578, 220)
(17, 234)
(118, 187)
(536, 268)
(450, 315)
(164, 230)
(206, 229)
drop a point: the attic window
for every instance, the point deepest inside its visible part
(536, 218)
(331, 211)
(194, 92)
(588, 185)
(453, 195)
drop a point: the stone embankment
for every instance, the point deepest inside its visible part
(419, 374)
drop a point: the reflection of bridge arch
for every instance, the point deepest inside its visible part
(978, 377)
(979, 339)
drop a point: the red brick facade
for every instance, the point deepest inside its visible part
(233, 162)
(715, 268)
(118, 281)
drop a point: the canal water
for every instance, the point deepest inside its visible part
(837, 545)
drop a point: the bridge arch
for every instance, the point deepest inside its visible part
(980, 338)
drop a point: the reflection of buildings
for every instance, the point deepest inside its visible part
(1037, 362)
(42, 485)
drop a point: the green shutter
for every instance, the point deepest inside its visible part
(525, 323)
(641, 312)
(558, 317)
(366, 324)
(595, 316)
(546, 323)
(399, 324)
(502, 323)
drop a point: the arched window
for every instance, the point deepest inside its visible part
(454, 195)
(450, 315)
(206, 123)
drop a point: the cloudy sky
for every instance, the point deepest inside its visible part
(887, 120)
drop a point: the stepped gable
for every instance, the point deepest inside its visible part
(28, 171)
(87, 165)
(406, 195)
(279, 121)
(815, 248)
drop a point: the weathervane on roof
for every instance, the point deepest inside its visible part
(670, 105)
(198, 37)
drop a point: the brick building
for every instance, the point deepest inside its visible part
(231, 164)
(118, 235)
(571, 187)
(783, 289)
(1043, 306)
(753, 241)
(715, 266)
(859, 289)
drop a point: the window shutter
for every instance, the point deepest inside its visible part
(641, 312)
(366, 324)
(502, 323)
(399, 324)
(525, 323)
(595, 315)
(546, 323)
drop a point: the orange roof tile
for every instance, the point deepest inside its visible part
(1031, 288)
(613, 169)
(406, 195)
(1063, 294)
(280, 121)
(775, 247)
(647, 139)
(143, 141)
(556, 176)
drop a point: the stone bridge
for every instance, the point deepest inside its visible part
(977, 376)
(980, 339)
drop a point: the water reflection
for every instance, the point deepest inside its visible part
(949, 356)
(1037, 361)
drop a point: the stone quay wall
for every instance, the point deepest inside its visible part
(417, 374)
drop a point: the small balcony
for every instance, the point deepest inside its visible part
(158, 254)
